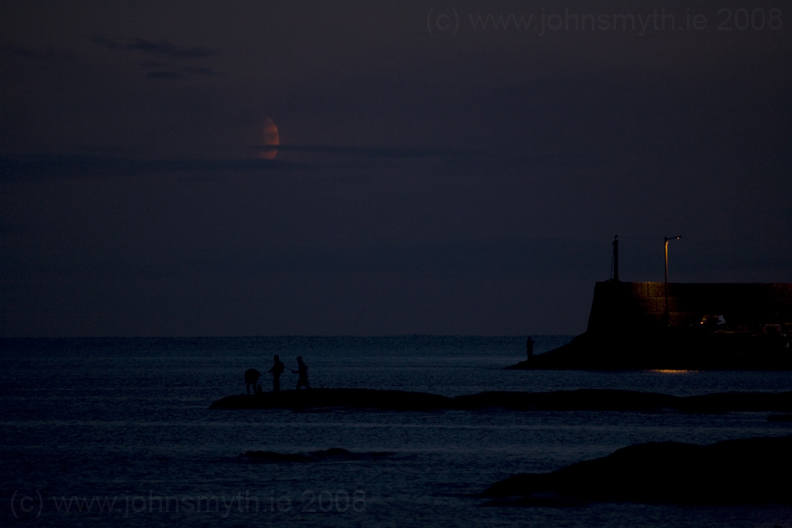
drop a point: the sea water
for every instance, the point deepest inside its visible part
(118, 432)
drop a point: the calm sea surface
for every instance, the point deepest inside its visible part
(117, 432)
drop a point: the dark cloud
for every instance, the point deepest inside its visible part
(372, 151)
(40, 167)
(163, 48)
(203, 72)
(16, 50)
(165, 75)
(489, 154)
(184, 73)
(49, 54)
(320, 158)
(106, 42)
(168, 50)
(505, 258)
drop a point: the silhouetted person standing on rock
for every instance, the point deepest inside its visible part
(277, 369)
(251, 379)
(529, 347)
(302, 370)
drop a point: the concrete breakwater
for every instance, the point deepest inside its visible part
(745, 307)
(699, 327)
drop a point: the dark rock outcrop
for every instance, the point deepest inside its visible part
(271, 456)
(334, 453)
(752, 470)
(577, 400)
(348, 398)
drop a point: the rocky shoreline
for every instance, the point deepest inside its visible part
(754, 470)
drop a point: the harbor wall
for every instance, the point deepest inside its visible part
(635, 306)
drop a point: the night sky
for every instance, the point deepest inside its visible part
(435, 176)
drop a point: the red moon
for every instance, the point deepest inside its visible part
(271, 138)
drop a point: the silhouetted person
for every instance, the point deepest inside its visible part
(251, 379)
(529, 347)
(302, 370)
(277, 369)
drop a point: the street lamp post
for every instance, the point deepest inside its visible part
(666, 315)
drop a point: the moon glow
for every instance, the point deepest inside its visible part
(271, 138)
